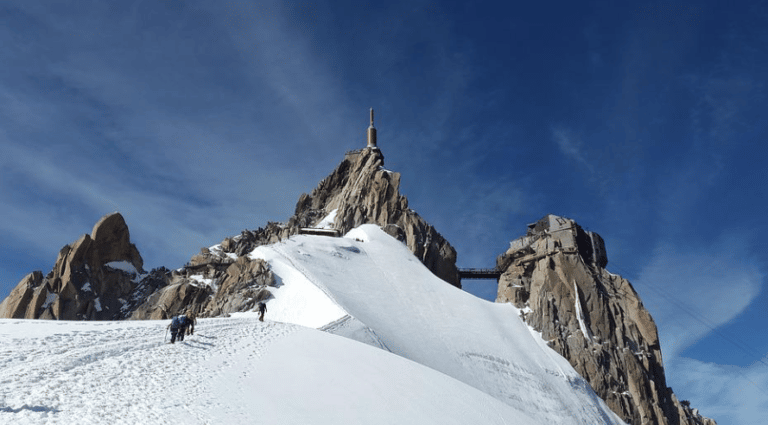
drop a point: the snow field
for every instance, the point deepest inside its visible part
(335, 380)
(299, 301)
(236, 370)
(122, 372)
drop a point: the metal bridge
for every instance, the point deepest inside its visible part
(479, 274)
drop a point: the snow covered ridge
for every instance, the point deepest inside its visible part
(402, 306)
(408, 348)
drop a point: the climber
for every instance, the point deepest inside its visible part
(262, 310)
(179, 325)
(191, 322)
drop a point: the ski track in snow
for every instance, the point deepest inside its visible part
(123, 372)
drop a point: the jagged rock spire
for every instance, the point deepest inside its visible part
(88, 281)
(595, 319)
(361, 191)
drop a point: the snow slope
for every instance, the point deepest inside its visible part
(432, 354)
(396, 302)
(236, 370)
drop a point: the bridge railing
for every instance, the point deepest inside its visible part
(472, 273)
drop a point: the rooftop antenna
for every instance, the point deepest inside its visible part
(372, 133)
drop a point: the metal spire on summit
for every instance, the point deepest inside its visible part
(372, 133)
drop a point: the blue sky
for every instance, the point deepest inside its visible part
(196, 119)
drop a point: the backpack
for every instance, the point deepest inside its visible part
(177, 322)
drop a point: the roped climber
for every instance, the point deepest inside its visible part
(179, 325)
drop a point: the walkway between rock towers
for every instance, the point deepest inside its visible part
(479, 274)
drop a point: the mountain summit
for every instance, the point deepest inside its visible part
(361, 191)
(101, 277)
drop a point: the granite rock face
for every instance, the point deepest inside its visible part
(212, 284)
(91, 279)
(595, 319)
(360, 191)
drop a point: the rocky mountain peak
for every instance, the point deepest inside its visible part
(556, 274)
(358, 184)
(112, 242)
(361, 191)
(88, 280)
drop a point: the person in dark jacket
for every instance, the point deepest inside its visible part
(192, 321)
(179, 325)
(262, 310)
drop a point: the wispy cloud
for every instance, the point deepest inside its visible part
(97, 131)
(728, 394)
(692, 291)
(572, 147)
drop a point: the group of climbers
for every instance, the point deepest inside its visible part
(181, 325)
(184, 324)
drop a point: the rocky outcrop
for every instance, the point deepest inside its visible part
(91, 279)
(212, 284)
(595, 319)
(27, 295)
(100, 277)
(360, 191)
